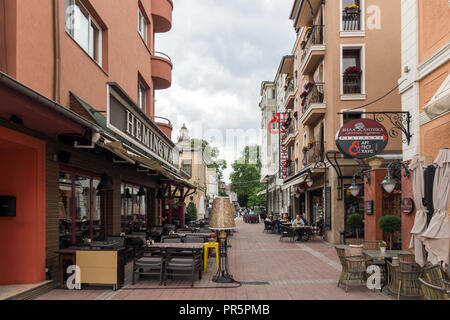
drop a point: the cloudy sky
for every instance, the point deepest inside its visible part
(222, 50)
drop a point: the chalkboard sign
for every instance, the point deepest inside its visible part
(368, 207)
(328, 208)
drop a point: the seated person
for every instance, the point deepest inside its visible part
(298, 222)
(276, 224)
(284, 218)
(317, 226)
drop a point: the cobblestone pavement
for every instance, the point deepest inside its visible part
(269, 268)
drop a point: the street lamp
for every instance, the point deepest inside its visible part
(309, 181)
(355, 188)
(389, 181)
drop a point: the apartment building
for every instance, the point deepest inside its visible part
(338, 71)
(425, 84)
(83, 155)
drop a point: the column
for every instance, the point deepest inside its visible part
(374, 192)
(181, 207)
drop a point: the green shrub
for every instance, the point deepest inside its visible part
(390, 224)
(191, 212)
(355, 221)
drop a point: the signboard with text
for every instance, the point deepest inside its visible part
(362, 138)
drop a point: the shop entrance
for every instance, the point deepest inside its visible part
(22, 236)
(316, 209)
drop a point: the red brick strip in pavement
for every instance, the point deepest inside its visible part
(294, 271)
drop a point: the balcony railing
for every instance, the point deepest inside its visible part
(289, 90)
(314, 154)
(316, 95)
(315, 37)
(351, 20)
(352, 83)
(290, 169)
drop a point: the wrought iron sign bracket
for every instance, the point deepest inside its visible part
(400, 121)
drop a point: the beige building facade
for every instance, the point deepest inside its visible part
(338, 68)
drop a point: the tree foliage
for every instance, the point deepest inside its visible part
(191, 212)
(211, 155)
(246, 175)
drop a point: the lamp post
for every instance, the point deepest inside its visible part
(222, 220)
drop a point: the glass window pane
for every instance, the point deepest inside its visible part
(81, 27)
(65, 212)
(82, 208)
(69, 14)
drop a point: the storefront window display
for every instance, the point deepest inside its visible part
(317, 209)
(134, 208)
(80, 214)
(353, 205)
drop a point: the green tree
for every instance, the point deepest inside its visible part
(191, 212)
(355, 221)
(390, 224)
(211, 155)
(246, 175)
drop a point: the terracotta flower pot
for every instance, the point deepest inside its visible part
(375, 163)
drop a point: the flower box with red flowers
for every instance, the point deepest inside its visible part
(353, 71)
(304, 94)
(295, 114)
(308, 85)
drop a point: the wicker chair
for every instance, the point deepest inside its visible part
(145, 264)
(392, 277)
(409, 257)
(341, 254)
(435, 275)
(408, 280)
(372, 244)
(433, 292)
(287, 232)
(356, 270)
(268, 227)
(183, 266)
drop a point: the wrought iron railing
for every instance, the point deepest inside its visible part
(351, 20)
(289, 90)
(314, 154)
(316, 94)
(315, 37)
(352, 83)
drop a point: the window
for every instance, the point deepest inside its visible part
(350, 116)
(352, 77)
(142, 26)
(142, 96)
(83, 29)
(80, 211)
(187, 166)
(134, 208)
(351, 15)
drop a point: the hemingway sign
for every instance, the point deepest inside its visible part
(362, 138)
(137, 130)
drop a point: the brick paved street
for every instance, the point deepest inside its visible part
(293, 271)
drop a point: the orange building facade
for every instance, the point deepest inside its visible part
(83, 155)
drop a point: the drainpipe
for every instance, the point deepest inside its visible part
(56, 53)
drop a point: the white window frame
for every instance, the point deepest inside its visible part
(142, 33)
(70, 29)
(142, 91)
(363, 94)
(363, 116)
(358, 33)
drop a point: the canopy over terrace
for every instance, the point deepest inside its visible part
(173, 188)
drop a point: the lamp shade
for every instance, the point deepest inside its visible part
(221, 217)
(141, 192)
(105, 184)
(389, 183)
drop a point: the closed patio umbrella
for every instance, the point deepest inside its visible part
(417, 166)
(437, 235)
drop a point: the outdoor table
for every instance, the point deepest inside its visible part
(377, 255)
(199, 234)
(179, 245)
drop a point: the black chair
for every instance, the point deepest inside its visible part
(268, 227)
(148, 262)
(194, 239)
(287, 232)
(183, 266)
(170, 240)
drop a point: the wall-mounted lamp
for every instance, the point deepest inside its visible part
(389, 181)
(355, 188)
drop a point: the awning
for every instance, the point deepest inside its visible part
(295, 182)
(118, 149)
(440, 103)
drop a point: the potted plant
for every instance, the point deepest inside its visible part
(351, 9)
(383, 246)
(308, 32)
(295, 114)
(304, 94)
(311, 144)
(305, 149)
(308, 85)
(375, 162)
(353, 71)
(390, 224)
(355, 221)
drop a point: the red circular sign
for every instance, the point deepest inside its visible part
(407, 206)
(362, 138)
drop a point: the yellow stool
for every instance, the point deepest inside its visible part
(206, 246)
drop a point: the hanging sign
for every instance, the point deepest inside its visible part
(362, 138)
(407, 206)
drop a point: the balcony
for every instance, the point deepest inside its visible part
(289, 95)
(352, 83)
(165, 125)
(162, 15)
(351, 20)
(290, 169)
(313, 49)
(313, 105)
(314, 154)
(161, 71)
